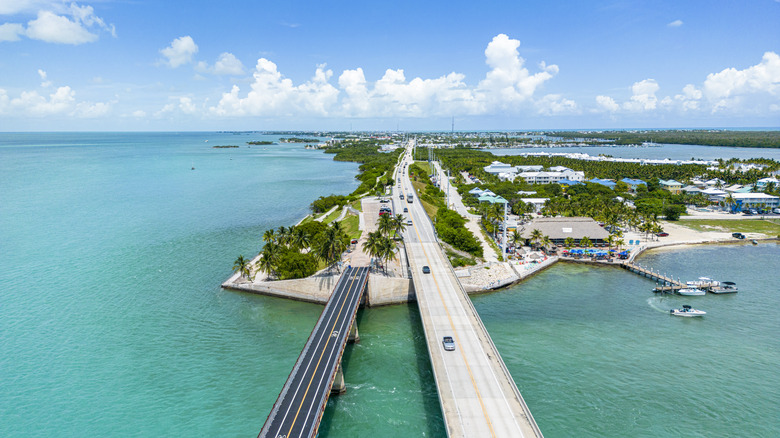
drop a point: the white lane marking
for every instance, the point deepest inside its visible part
(352, 297)
(306, 368)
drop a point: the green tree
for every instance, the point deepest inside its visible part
(242, 266)
(585, 242)
(536, 237)
(569, 242)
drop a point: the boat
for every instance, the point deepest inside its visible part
(727, 287)
(686, 310)
(754, 242)
(691, 291)
(703, 282)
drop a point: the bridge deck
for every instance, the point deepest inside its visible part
(478, 396)
(298, 410)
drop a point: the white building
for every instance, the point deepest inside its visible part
(552, 177)
(753, 200)
(497, 167)
(538, 203)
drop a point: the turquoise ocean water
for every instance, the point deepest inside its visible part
(112, 322)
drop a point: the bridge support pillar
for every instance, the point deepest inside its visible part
(353, 336)
(339, 386)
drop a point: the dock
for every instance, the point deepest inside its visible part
(667, 284)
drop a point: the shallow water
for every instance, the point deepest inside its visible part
(113, 323)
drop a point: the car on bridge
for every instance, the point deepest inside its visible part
(426, 270)
(449, 343)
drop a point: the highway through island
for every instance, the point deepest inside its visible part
(478, 396)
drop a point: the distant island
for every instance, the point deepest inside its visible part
(225, 146)
(727, 138)
(298, 140)
(260, 142)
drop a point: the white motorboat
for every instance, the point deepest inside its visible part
(691, 291)
(703, 282)
(726, 287)
(686, 310)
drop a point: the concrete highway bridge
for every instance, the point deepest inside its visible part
(298, 410)
(477, 394)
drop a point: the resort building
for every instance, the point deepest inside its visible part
(558, 229)
(755, 200)
(671, 185)
(763, 182)
(497, 167)
(538, 203)
(604, 182)
(552, 177)
(492, 199)
(533, 174)
(633, 183)
(713, 194)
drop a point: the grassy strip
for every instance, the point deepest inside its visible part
(768, 226)
(458, 260)
(351, 225)
(430, 209)
(491, 242)
(333, 216)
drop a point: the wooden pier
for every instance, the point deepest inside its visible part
(666, 283)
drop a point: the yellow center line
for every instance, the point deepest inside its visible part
(320, 359)
(455, 331)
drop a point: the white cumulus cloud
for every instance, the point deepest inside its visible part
(552, 104)
(11, 32)
(507, 86)
(675, 23)
(643, 98)
(55, 22)
(53, 28)
(180, 51)
(228, 64)
(62, 101)
(606, 103)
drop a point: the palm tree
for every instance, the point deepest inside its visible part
(242, 266)
(332, 245)
(385, 224)
(546, 242)
(269, 257)
(269, 235)
(283, 235)
(569, 242)
(299, 239)
(386, 251)
(536, 237)
(399, 224)
(585, 242)
(515, 238)
(373, 244)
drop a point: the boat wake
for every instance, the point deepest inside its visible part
(656, 303)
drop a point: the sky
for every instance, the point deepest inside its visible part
(138, 65)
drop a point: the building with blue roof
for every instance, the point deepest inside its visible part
(604, 182)
(633, 183)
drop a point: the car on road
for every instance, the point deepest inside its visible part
(401, 196)
(449, 343)
(406, 210)
(738, 235)
(662, 234)
(426, 270)
(409, 222)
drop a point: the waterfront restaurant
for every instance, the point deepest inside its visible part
(560, 228)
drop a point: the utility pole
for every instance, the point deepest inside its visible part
(448, 188)
(503, 246)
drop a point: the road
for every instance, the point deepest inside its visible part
(478, 396)
(298, 410)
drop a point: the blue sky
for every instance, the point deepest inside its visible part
(340, 65)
